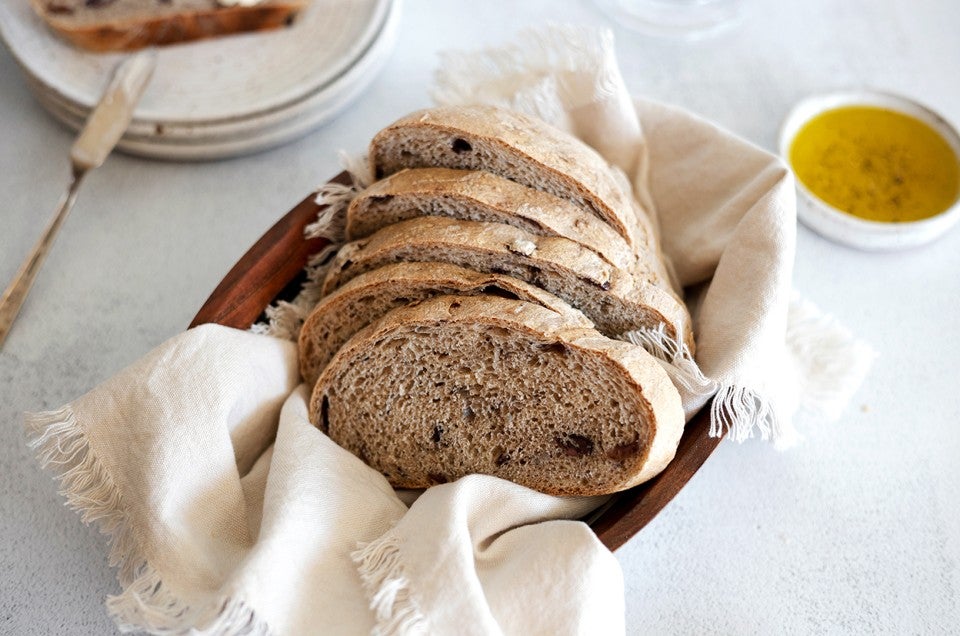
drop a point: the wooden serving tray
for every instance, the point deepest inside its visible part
(272, 269)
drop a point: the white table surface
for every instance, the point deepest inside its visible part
(857, 530)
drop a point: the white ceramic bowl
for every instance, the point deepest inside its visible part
(845, 228)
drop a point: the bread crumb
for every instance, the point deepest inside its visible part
(523, 246)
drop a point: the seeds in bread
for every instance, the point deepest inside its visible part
(475, 195)
(459, 385)
(614, 300)
(517, 147)
(368, 297)
(126, 25)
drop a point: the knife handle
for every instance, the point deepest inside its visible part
(19, 287)
(110, 117)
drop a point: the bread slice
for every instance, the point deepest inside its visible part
(475, 195)
(517, 147)
(459, 385)
(368, 297)
(126, 25)
(614, 300)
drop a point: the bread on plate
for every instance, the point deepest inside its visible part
(126, 25)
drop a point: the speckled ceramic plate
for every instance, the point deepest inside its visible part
(222, 97)
(218, 79)
(213, 139)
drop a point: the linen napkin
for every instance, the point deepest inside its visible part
(229, 514)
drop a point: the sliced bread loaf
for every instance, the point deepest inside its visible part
(115, 25)
(368, 297)
(459, 385)
(517, 147)
(475, 195)
(614, 300)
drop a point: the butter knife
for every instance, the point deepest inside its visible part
(101, 132)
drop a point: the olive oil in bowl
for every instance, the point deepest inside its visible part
(876, 164)
(874, 170)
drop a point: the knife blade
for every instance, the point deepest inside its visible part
(100, 134)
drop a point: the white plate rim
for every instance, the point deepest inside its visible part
(217, 130)
(314, 110)
(378, 16)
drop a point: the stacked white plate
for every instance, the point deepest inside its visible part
(221, 97)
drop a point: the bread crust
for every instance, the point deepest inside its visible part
(418, 238)
(550, 150)
(527, 208)
(405, 283)
(189, 25)
(658, 402)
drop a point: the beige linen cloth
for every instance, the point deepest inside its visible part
(228, 513)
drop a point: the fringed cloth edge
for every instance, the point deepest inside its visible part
(285, 318)
(380, 565)
(146, 603)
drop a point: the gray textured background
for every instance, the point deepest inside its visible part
(857, 530)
